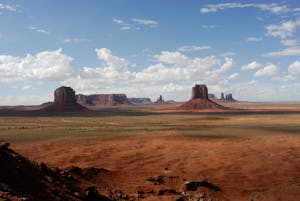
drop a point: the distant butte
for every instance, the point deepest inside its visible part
(64, 101)
(200, 100)
(102, 99)
(160, 100)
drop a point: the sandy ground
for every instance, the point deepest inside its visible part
(253, 168)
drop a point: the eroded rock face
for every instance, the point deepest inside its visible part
(64, 101)
(102, 99)
(200, 100)
(22, 179)
(227, 97)
(199, 91)
(64, 95)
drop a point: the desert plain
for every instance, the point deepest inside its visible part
(248, 152)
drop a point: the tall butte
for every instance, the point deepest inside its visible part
(64, 101)
(200, 100)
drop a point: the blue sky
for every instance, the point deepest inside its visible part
(147, 48)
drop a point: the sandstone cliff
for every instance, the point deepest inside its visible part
(102, 99)
(64, 101)
(200, 100)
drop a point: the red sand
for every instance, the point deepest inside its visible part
(265, 168)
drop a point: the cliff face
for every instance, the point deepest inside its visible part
(199, 91)
(64, 95)
(227, 97)
(102, 99)
(64, 101)
(200, 100)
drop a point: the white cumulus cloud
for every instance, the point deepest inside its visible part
(294, 68)
(233, 76)
(112, 61)
(44, 66)
(284, 30)
(229, 63)
(267, 71)
(251, 66)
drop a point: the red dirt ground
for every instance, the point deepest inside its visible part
(260, 168)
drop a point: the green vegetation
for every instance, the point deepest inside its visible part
(116, 123)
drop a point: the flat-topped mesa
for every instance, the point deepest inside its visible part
(199, 91)
(102, 99)
(64, 95)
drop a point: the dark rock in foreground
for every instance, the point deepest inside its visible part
(22, 179)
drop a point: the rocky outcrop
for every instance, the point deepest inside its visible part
(22, 179)
(64, 101)
(199, 100)
(222, 96)
(160, 100)
(199, 91)
(102, 99)
(140, 100)
(227, 97)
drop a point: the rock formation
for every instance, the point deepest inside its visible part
(227, 97)
(22, 179)
(160, 100)
(140, 100)
(64, 101)
(64, 95)
(200, 100)
(211, 96)
(102, 99)
(199, 91)
(222, 96)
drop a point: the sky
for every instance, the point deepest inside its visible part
(145, 48)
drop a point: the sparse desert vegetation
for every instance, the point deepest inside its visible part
(152, 155)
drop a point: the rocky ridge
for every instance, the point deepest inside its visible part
(102, 99)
